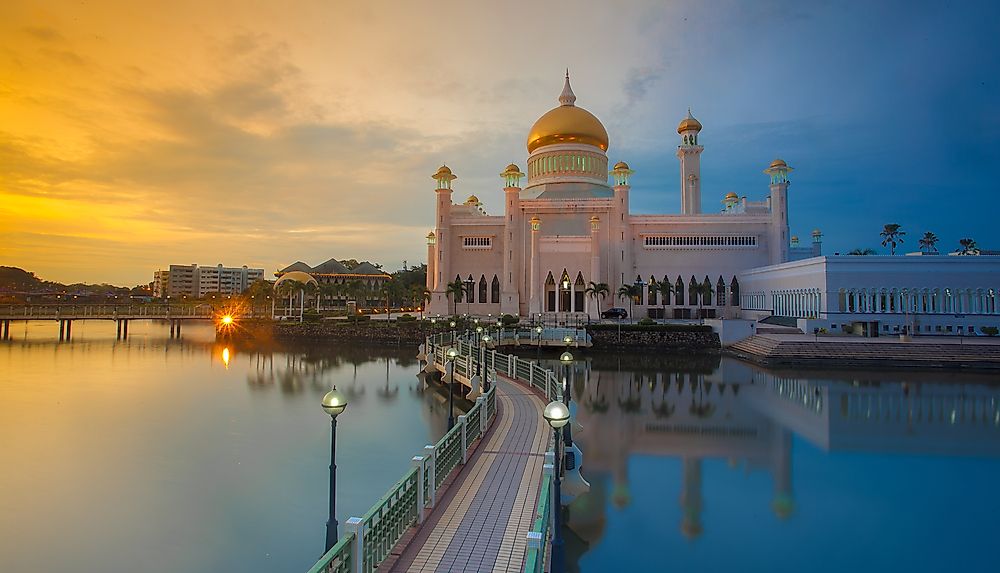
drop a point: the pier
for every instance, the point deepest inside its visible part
(480, 498)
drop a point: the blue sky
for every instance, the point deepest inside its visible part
(267, 133)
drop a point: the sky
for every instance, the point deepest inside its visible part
(134, 135)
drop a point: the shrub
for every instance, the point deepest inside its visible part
(990, 330)
(406, 318)
(508, 320)
(361, 318)
(311, 315)
(647, 322)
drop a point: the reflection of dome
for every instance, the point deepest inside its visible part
(783, 505)
(304, 278)
(732, 195)
(689, 123)
(567, 124)
(621, 496)
(691, 527)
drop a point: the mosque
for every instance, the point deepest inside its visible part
(569, 227)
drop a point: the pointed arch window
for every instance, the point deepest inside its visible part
(495, 290)
(679, 292)
(734, 292)
(482, 289)
(720, 292)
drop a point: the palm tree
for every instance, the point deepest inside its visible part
(598, 291)
(969, 247)
(705, 292)
(862, 252)
(928, 243)
(628, 292)
(454, 292)
(892, 235)
(311, 289)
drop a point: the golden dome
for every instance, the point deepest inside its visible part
(778, 163)
(567, 124)
(689, 123)
(620, 165)
(444, 172)
(472, 200)
(732, 195)
(512, 168)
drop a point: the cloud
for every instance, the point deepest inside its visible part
(43, 33)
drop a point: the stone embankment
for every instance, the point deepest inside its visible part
(410, 333)
(670, 337)
(777, 350)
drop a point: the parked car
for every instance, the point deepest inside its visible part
(615, 313)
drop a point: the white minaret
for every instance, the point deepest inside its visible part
(442, 234)
(778, 239)
(689, 154)
(510, 301)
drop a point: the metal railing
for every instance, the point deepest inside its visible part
(534, 555)
(115, 311)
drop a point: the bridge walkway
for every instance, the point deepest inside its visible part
(483, 518)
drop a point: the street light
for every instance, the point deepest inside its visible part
(538, 341)
(557, 415)
(566, 359)
(452, 354)
(334, 404)
(479, 332)
(482, 359)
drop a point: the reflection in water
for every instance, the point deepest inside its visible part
(749, 418)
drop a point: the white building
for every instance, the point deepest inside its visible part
(200, 281)
(569, 227)
(874, 295)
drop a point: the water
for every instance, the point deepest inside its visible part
(696, 465)
(159, 456)
(155, 455)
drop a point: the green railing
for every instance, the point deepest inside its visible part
(448, 454)
(387, 521)
(534, 555)
(337, 559)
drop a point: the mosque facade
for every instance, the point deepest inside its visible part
(567, 226)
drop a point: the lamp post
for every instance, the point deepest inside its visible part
(557, 415)
(334, 404)
(452, 324)
(538, 335)
(452, 354)
(479, 332)
(482, 359)
(566, 359)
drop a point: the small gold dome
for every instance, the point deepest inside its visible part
(512, 168)
(567, 124)
(817, 233)
(778, 163)
(443, 171)
(732, 195)
(795, 238)
(621, 165)
(688, 123)
(472, 200)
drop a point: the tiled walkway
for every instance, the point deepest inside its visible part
(481, 521)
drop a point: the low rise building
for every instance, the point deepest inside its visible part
(199, 281)
(873, 295)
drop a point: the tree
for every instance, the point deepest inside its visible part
(969, 247)
(928, 243)
(862, 252)
(667, 289)
(628, 292)
(597, 291)
(454, 292)
(705, 292)
(891, 236)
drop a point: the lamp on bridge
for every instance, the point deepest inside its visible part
(451, 354)
(566, 359)
(538, 334)
(334, 404)
(557, 415)
(479, 330)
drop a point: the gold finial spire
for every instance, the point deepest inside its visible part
(567, 97)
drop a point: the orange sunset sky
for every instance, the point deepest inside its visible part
(138, 134)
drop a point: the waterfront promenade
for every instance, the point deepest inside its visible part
(485, 514)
